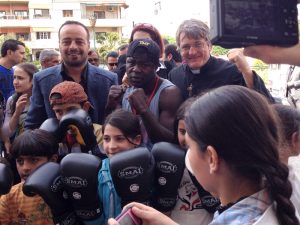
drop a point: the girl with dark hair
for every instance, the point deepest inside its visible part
(233, 142)
(121, 132)
(30, 150)
(290, 128)
(289, 151)
(194, 205)
(18, 104)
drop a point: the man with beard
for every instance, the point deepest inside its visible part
(151, 97)
(74, 46)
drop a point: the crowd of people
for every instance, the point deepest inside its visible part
(172, 132)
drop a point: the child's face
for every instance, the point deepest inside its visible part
(181, 134)
(114, 141)
(62, 109)
(27, 164)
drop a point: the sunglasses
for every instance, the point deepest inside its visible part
(113, 64)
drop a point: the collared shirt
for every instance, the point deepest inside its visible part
(83, 76)
(246, 211)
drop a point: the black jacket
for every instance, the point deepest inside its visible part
(215, 73)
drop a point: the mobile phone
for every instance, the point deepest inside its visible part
(128, 218)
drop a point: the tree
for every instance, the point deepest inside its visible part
(170, 39)
(218, 50)
(109, 42)
(5, 37)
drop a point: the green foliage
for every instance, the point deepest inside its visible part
(109, 42)
(259, 65)
(37, 64)
(170, 39)
(261, 69)
(218, 50)
(8, 36)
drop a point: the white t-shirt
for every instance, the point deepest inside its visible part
(188, 209)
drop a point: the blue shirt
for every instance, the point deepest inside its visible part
(6, 82)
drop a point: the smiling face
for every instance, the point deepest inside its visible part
(22, 81)
(73, 45)
(115, 141)
(195, 52)
(140, 70)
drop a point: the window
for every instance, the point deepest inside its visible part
(22, 36)
(21, 14)
(67, 13)
(41, 13)
(2, 14)
(99, 14)
(42, 35)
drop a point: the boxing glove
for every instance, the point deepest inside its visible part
(132, 172)
(80, 179)
(169, 167)
(46, 182)
(6, 177)
(52, 125)
(80, 123)
(208, 202)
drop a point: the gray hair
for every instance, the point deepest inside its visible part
(193, 28)
(47, 54)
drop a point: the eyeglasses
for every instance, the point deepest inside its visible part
(113, 64)
(93, 59)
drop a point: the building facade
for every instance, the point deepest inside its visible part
(36, 22)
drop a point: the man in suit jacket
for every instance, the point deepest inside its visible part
(74, 46)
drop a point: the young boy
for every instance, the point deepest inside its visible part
(30, 150)
(67, 96)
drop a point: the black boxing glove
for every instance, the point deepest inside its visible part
(80, 179)
(6, 177)
(169, 168)
(81, 124)
(46, 182)
(132, 172)
(208, 202)
(52, 125)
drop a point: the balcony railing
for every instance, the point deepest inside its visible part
(38, 16)
(13, 17)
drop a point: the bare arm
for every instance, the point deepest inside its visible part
(275, 55)
(238, 58)
(161, 129)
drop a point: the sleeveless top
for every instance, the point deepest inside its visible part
(153, 107)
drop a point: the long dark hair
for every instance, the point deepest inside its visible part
(242, 127)
(125, 121)
(30, 69)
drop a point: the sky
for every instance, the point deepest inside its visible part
(165, 15)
